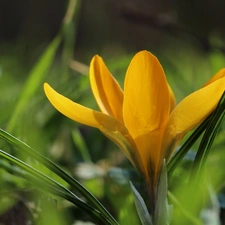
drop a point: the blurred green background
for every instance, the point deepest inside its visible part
(53, 41)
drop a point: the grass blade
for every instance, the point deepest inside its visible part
(81, 145)
(57, 170)
(179, 155)
(141, 207)
(50, 185)
(34, 81)
(208, 138)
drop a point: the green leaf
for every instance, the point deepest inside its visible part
(208, 138)
(184, 214)
(57, 170)
(179, 155)
(34, 81)
(81, 145)
(68, 32)
(44, 182)
(163, 212)
(142, 210)
(128, 213)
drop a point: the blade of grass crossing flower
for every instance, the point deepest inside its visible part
(50, 185)
(179, 155)
(57, 170)
(208, 138)
(34, 81)
(142, 210)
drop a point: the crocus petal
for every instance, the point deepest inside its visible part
(172, 99)
(149, 145)
(190, 112)
(106, 89)
(146, 101)
(217, 76)
(111, 127)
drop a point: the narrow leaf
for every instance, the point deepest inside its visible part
(186, 215)
(57, 170)
(34, 81)
(179, 155)
(208, 138)
(69, 32)
(163, 212)
(141, 207)
(51, 186)
(81, 145)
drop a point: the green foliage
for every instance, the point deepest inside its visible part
(127, 213)
(26, 113)
(141, 207)
(34, 81)
(208, 138)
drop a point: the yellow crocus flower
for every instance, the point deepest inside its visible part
(142, 119)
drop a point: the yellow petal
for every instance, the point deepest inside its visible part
(71, 109)
(172, 99)
(150, 146)
(146, 100)
(190, 112)
(217, 76)
(106, 89)
(111, 127)
(146, 94)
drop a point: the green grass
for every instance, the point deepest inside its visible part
(27, 114)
